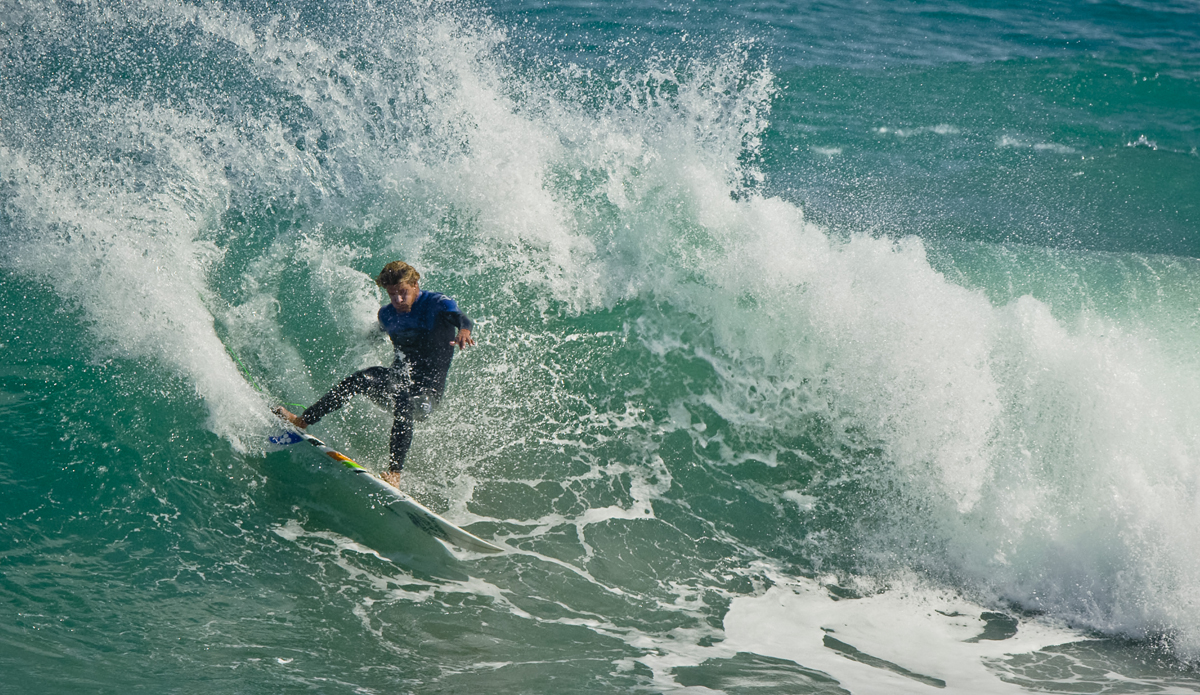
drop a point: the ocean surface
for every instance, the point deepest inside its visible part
(823, 347)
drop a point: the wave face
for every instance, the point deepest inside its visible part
(775, 348)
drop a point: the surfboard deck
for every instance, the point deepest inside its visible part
(404, 509)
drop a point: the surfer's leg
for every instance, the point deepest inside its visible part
(402, 430)
(428, 389)
(291, 417)
(369, 382)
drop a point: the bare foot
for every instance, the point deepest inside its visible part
(285, 414)
(391, 477)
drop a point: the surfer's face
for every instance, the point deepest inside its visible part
(403, 296)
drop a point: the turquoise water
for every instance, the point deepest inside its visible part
(822, 347)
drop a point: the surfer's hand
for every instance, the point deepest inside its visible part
(463, 339)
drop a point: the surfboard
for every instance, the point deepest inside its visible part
(404, 510)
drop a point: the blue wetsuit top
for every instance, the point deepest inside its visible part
(422, 336)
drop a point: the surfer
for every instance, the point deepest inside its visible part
(424, 328)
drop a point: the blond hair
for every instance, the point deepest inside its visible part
(398, 273)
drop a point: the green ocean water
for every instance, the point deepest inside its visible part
(821, 347)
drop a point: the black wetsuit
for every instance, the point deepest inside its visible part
(413, 386)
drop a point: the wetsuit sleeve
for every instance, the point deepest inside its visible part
(454, 316)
